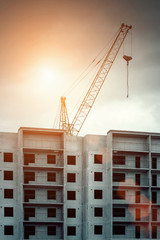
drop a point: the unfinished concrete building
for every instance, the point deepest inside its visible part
(95, 187)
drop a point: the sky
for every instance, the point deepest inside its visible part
(45, 45)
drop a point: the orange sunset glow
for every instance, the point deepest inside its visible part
(46, 45)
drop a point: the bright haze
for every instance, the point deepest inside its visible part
(46, 44)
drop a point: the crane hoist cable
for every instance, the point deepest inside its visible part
(128, 59)
(81, 77)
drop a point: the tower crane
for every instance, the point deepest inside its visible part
(94, 89)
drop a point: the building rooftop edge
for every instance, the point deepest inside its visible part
(40, 129)
(133, 132)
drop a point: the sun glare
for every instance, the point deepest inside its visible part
(45, 73)
(48, 75)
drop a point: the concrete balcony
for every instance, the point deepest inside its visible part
(126, 146)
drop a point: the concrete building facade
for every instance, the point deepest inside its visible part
(55, 186)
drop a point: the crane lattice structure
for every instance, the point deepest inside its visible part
(93, 91)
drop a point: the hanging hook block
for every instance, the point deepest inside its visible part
(127, 58)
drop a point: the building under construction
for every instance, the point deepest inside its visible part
(56, 186)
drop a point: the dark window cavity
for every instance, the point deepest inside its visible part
(51, 230)
(137, 196)
(29, 212)
(71, 231)
(138, 180)
(118, 177)
(51, 212)
(29, 176)
(8, 230)
(71, 160)
(8, 211)
(154, 180)
(118, 212)
(29, 194)
(118, 230)
(8, 157)
(138, 214)
(98, 176)
(8, 175)
(51, 159)
(8, 193)
(71, 177)
(154, 214)
(71, 195)
(71, 213)
(154, 163)
(51, 177)
(29, 158)
(98, 212)
(154, 232)
(154, 197)
(98, 194)
(137, 162)
(28, 230)
(118, 160)
(119, 194)
(98, 159)
(137, 232)
(98, 229)
(51, 194)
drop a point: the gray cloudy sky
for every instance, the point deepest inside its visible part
(45, 45)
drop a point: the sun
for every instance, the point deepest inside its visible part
(47, 74)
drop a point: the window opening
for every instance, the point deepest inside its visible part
(29, 158)
(51, 194)
(119, 194)
(29, 212)
(51, 212)
(51, 177)
(8, 230)
(29, 194)
(71, 160)
(118, 177)
(98, 212)
(8, 157)
(98, 229)
(8, 211)
(119, 160)
(98, 194)
(137, 162)
(8, 193)
(51, 159)
(98, 159)
(71, 213)
(71, 231)
(8, 175)
(71, 195)
(29, 176)
(118, 212)
(98, 176)
(71, 177)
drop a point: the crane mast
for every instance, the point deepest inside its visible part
(93, 91)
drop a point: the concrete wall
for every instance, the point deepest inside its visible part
(8, 144)
(94, 145)
(73, 147)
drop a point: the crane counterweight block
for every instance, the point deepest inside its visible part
(93, 91)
